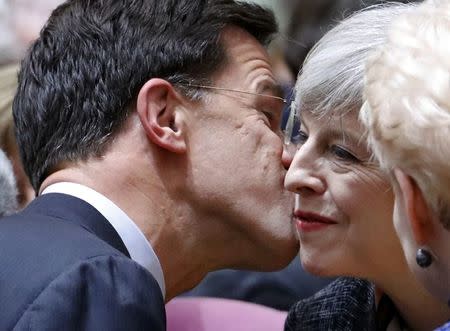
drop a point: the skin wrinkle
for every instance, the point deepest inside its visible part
(265, 156)
(238, 124)
(372, 250)
(319, 162)
(328, 136)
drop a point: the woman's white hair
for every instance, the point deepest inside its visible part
(407, 110)
(332, 77)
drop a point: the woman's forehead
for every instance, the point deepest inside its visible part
(343, 119)
(335, 126)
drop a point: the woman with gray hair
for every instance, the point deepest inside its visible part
(344, 201)
(408, 116)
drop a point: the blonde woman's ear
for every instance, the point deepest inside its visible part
(417, 210)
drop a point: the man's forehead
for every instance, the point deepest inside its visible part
(234, 33)
(248, 66)
(239, 42)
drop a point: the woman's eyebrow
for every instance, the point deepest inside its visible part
(344, 135)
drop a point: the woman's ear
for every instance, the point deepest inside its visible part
(417, 210)
(158, 107)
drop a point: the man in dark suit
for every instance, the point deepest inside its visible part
(150, 130)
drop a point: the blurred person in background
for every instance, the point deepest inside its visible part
(8, 190)
(20, 23)
(8, 86)
(408, 116)
(344, 201)
(309, 20)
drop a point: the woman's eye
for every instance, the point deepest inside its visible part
(343, 154)
(299, 138)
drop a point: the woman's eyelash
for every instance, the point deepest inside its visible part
(300, 137)
(343, 154)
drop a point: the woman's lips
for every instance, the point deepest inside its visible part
(308, 221)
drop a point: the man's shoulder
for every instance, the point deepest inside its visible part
(48, 240)
(60, 226)
(99, 293)
(44, 255)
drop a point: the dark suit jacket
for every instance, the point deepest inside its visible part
(64, 267)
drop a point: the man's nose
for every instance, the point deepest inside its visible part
(287, 156)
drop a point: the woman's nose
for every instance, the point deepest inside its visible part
(303, 176)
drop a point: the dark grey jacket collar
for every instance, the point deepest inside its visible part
(347, 304)
(72, 209)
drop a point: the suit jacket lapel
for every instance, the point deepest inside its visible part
(72, 209)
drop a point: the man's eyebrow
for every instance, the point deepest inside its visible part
(271, 88)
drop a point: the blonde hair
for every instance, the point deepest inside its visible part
(407, 110)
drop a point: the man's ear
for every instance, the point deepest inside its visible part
(160, 116)
(417, 210)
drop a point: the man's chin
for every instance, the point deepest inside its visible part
(280, 256)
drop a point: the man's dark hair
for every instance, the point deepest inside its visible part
(80, 77)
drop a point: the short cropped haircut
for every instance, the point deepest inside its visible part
(407, 110)
(80, 79)
(332, 78)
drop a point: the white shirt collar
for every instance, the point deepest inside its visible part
(137, 245)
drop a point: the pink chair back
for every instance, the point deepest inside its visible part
(214, 314)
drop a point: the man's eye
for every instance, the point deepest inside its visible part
(273, 120)
(343, 154)
(268, 115)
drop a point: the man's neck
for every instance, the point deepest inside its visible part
(166, 224)
(419, 309)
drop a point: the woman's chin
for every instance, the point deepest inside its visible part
(316, 268)
(320, 263)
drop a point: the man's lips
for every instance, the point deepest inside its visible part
(309, 217)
